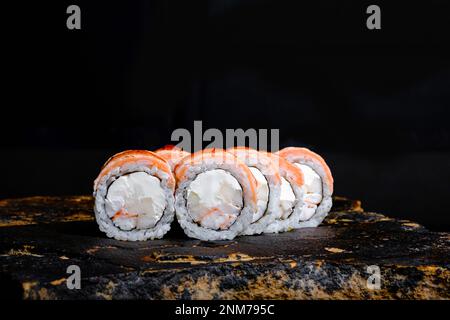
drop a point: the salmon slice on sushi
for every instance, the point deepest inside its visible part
(134, 196)
(318, 184)
(172, 154)
(216, 196)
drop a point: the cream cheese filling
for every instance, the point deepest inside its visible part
(135, 201)
(214, 199)
(287, 199)
(313, 191)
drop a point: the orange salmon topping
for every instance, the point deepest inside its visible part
(144, 157)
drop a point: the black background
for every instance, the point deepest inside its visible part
(375, 104)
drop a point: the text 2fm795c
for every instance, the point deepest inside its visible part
(256, 309)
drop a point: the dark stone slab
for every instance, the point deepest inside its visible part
(41, 236)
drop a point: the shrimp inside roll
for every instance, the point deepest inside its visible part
(135, 201)
(214, 199)
(313, 191)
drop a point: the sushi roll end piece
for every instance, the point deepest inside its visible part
(134, 196)
(318, 184)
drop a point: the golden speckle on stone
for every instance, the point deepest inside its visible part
(411, 225)
(27, 286)
(334, 250)
(25, 251)
(57, 282)
(80, 216)
(97, 248)
(108, 292)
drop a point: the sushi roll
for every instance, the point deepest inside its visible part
(216, 195)
(172, 154)
(318, 184)
(134, 196)
(268, 187)
(290, 198)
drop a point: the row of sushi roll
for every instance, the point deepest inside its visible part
(215, 194)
